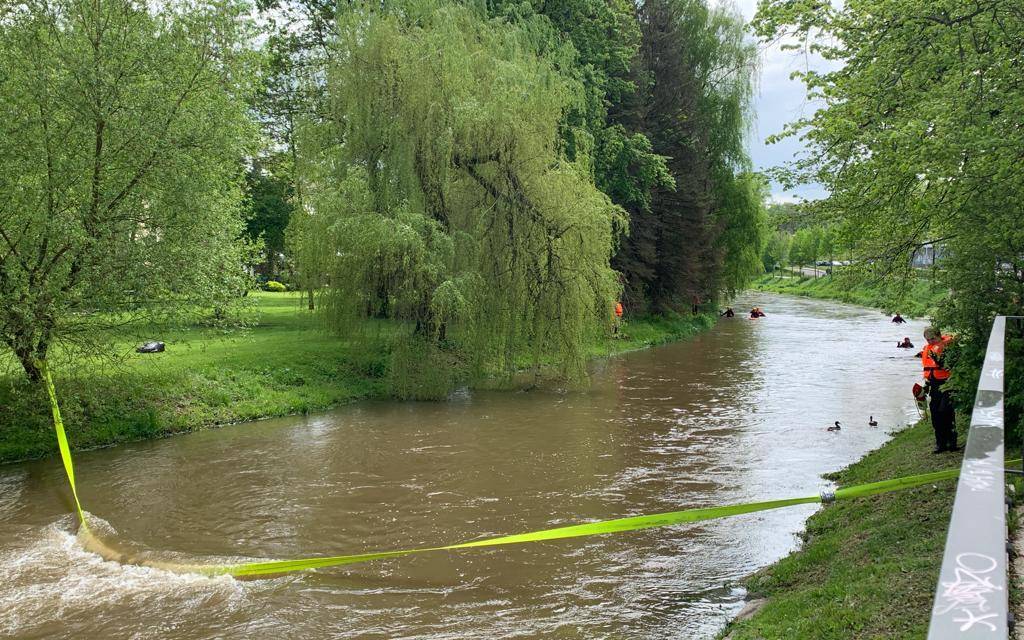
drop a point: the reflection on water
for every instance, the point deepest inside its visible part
(736, 414)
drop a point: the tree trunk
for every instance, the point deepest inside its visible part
(29, 359)
(271, 264)
(311, 303)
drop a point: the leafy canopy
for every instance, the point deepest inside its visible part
(919, 143)
(119, 181)
(442, 181)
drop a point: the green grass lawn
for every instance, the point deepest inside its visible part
(284, 363)
(868, 567)
(919, 301)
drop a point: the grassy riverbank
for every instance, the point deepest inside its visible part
(285, 363)
(867, 568)
(919, 301)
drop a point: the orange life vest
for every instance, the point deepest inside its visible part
(618, 309)
(930, 358)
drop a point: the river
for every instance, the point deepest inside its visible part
(736, 414)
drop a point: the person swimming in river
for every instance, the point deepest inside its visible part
(728, 313)
(898, 319)
(906, 344)
(756, 313)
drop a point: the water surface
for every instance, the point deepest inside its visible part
(737, 414)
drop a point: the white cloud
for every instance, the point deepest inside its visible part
(780, 100)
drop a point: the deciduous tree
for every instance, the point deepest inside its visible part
(444, 182)
(269, 195)
(919, 142)
(123, 132)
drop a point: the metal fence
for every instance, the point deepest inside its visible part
(971, 598)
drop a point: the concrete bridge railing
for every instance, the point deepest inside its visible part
(971, 598)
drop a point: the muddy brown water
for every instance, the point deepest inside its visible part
(737, 414)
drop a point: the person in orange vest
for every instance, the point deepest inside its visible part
(618, 316)
(935, 375)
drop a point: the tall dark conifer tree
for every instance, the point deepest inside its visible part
(695, 74)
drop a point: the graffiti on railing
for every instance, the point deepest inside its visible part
(971, 592)
(980, 475)
(967, 595)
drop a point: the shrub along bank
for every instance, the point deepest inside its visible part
(868, 567)
(920, 299)
(285, 363)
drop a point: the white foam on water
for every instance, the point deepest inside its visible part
(50, 579)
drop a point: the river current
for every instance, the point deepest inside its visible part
(737, 414)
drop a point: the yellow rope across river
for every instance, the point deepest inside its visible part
(634, 523)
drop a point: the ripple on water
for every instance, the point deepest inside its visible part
(735, 415)
(49, 582)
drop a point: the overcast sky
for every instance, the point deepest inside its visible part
(779, 100)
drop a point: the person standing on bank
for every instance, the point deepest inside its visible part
(941, 405)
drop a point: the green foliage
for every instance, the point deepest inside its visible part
(270, 207)
(703, 236)
(919, 145)
(299, 35)
(802, 243)
(274, 286)
(628, 170)
(985, 285)
(743, 231)
(442, 193)
(777, 250)
(119, 180)
(920, 300)
(420, 369)
(806, 246)
(299, 41)
(605, 37)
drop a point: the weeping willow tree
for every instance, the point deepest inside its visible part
(441, 183)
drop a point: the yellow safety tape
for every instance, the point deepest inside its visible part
(589, 529)
(635, 523)
(62, 439)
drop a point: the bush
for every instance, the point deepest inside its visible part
(274, 285)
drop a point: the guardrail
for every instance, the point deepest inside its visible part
(971, 598)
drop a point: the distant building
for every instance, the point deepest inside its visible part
(927, 256)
